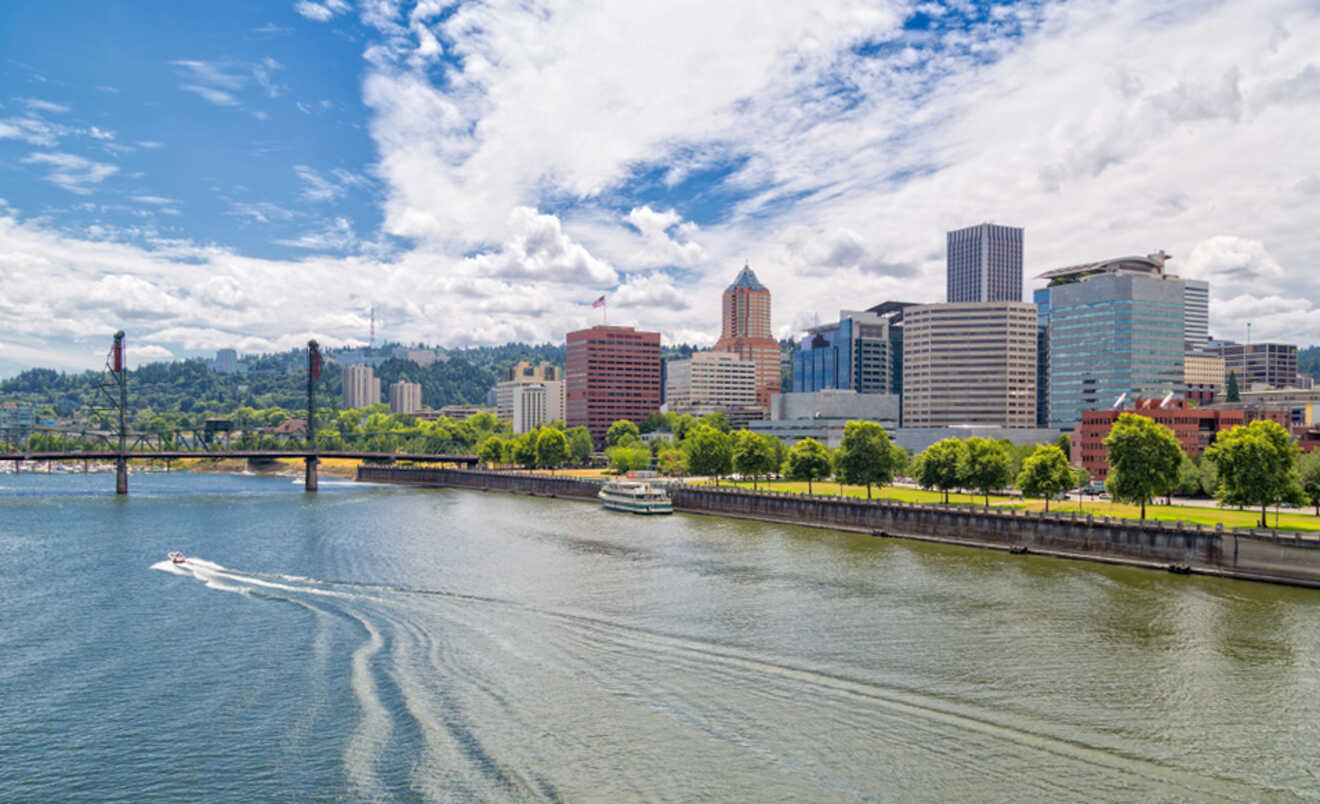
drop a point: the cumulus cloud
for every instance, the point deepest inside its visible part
(149, 353)
(668, 238)
(320, 12)
(649, 291)
(539, 249)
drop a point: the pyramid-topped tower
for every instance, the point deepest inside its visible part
(747, 332)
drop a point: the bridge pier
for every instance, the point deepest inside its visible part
(309, 478)
(121, 476)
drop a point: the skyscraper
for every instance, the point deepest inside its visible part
(985, 263)
(361, 386)
(747, 333)
(610, 373)
(1196, 312)
(1115, 327)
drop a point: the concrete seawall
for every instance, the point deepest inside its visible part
(1252, 555)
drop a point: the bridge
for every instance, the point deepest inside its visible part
(121, 446)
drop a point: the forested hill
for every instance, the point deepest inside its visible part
(279, 380)
(1308, 362)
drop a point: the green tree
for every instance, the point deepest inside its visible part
(753, 455)
(671, 461)
(989, 466)
(941, 466)
(808, 460)
(551, 449)
(1309, 471)
(627, 459)
(524, 449)
(1144, 457)
(865, 456)
(1189, 478)
(717, 420)
(1257, 466)
(1045, 473)
(491, 451)
(709, 452)
(1232, 394)
(1064, 443)
(579, 445)
(1081, 479)
(618, 430)
(902, 462)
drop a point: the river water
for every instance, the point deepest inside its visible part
(405, 644)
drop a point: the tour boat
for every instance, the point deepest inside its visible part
(176, 557)
(635, 497)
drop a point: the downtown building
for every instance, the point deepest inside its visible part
(984, 264)
(1116, 331)
(1195, 428)
(360, 386)
(971, 363)
(405, 397)
(713, 382)
(1260, 365)
(530, 396)
(610, 373)
(746, 332)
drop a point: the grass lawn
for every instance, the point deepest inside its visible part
(899, 493)
(1231, 517)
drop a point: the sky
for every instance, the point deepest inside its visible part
(252, 175)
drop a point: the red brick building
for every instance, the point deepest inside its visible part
(610, 373)
(1195, 429)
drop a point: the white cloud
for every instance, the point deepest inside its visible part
(72, 172)
(667, 238)
(322, 188)
(44, 105)
(210, 94)
(320, 12)
(539, 249)
(336, 236)
(156, 200)
(149, 353)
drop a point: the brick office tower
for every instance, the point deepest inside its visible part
(747, 332)
(610, 373)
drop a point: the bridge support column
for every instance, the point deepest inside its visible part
(121, 476)
(309, 482)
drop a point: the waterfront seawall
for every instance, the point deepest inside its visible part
(1252, 555)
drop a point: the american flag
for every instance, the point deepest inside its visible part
(598, 303)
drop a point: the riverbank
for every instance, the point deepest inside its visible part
(1184, 547)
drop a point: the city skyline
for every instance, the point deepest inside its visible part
(260, 176)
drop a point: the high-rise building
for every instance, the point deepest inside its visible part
(984, 263)
(509, 399)
(1115, 331)
(527, 372)
(610, 373)
(405, 397)
(710, 381)
(361, 386)
(854, 354)
(747, 333)
(1196, 312)
(1261, 364)
(972, 363)
(226, 361)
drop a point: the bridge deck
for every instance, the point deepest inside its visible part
(264, 454)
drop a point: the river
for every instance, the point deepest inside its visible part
(405, 644)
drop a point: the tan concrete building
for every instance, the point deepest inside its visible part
(970, 363)
(1204, 375)
(710, 381)
(405, 397)
(508, 398)
(361, 387)
(526, 372)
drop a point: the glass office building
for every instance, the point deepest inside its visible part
(1113, 333)
(853, 355)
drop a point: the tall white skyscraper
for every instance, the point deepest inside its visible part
(985, 263)
(1196, 312)
(361, 386)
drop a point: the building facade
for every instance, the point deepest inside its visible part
(1204, 377)
(984, 264)
(746, 331)
(405, 397)
(1272, 365)
(1195, 428)
(226, 361)
(361, 386)
(525, 371)
(1196, 312)
(1113, 331)
(509, 400)
(610, 373)
(853, 355)
(972, 363)
(710, 381)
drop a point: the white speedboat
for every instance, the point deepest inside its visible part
(635, 497)
(177, 558)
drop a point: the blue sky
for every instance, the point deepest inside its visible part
(255, 174)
